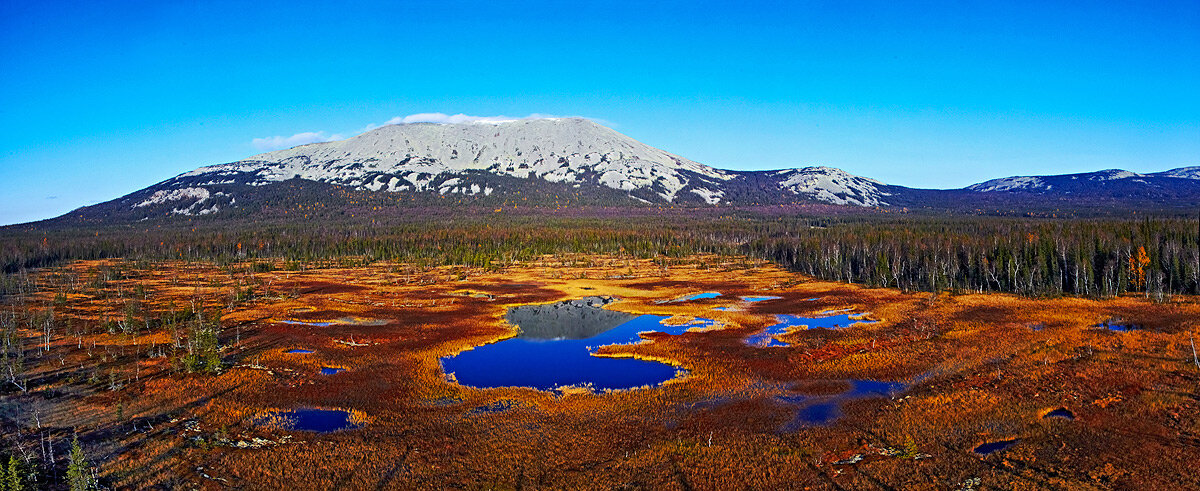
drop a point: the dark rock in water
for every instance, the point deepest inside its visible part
(571, 319)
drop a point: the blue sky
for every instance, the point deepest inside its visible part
(98, 99)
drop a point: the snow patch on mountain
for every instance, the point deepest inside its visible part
(1020, 183)
(709, 196)
(833, 186)
(1180, 173)
(165, 195)
(566, 150)
(1112, 175)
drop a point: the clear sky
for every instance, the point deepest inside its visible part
(99, 99)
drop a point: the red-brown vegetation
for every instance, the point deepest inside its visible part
(979, 368)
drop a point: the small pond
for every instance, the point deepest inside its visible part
(1117, 324)
(766, 339)
(821, 404)
(554, 348)
(299, 351)
(310, 419)
(1061, 412)
(993, 447)
(760, 298)
(331, 370)
(697, 296)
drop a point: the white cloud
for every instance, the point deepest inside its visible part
(278, 142)
(272, 143)
(460, 118)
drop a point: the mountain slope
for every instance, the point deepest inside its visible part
(543, 161)
(1172, 187)
(576, 162)
(411, 157)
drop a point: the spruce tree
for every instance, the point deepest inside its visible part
(13, 480)
(78, 472)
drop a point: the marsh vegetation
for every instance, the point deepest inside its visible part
(907, 397)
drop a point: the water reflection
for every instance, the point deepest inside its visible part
(554, 349)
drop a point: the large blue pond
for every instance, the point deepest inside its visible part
(555, 345)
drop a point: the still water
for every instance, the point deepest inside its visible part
(555, 345)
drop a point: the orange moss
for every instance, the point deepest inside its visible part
(979, 367)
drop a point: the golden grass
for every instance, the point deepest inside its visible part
(978, 371)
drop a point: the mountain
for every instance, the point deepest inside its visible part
(577, 162)
(1111, 180)
(1177, 189)
(441, 157)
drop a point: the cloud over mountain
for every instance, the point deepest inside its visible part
(442, 118)
(271, 143)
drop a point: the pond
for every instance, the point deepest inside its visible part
(697, 296)
(1061, 412)
(760, 298)
(820, 402)
(993, 447)
(555, 345)
(1117, 324)
(311, 419)
(766, 339)
(746, 299)
(299, 351)
(331, 370)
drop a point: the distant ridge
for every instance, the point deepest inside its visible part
(577, 162)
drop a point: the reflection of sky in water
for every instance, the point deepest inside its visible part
(1061, 412)
(759, 298)
(318, 420)
(552, 360)
(816, 410)
(992, 447)
(1118, 327)
(767, 339)
(699, 296)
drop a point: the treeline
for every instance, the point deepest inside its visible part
(1029, 257)
(470, 241)
(1034, 257)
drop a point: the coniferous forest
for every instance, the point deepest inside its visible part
(180, 352)
(1097, 257)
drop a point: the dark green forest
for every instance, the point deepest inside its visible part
(1098, 257)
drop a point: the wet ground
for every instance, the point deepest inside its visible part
(881, 389)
